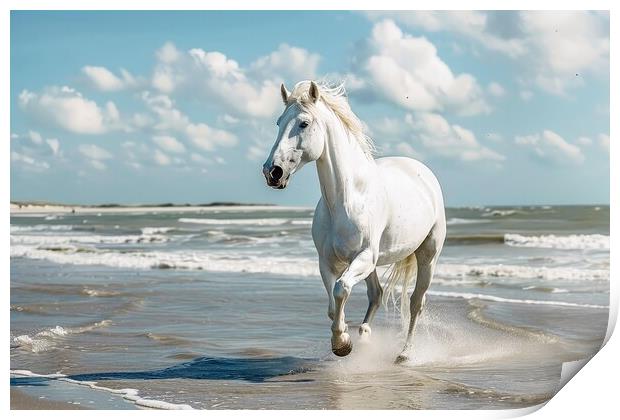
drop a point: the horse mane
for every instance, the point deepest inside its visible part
(335, 98)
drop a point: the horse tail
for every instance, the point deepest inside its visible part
(403, 272)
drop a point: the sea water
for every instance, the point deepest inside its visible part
(225, 309)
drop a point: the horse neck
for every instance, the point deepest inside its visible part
(343, 168)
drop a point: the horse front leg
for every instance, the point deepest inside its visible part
(375, 293)
(360, 268)
(329, 277)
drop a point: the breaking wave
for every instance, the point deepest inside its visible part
(558, 242)
(45, 340)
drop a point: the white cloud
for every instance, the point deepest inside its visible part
(449, 140)
(256, 153)
(554, 48)
(171, 119)
(161, 158)
(35, 137)
(287, 63)
(97, 164)
(104, 80)
(33, 152)
(603, 140)
(436, 136)
(584, 141)
(28, 162)
(251, 91)
(207, 138)
(408, 72)
(407, 150)
(68, 109)
(551, 146)
(496, 89)
(54, 145)
(526, 95)
(95, 153)
(476, 25)
(169, 144)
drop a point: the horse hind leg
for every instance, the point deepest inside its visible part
(375, 294)
(416, 304)
(427, 259)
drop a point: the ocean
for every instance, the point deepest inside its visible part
(223, 308)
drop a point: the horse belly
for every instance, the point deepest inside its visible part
(411, 217)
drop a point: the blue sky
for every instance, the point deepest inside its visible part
(133, 107)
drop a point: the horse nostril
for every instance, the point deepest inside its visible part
(276, 173)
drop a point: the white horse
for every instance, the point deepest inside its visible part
(372, 212)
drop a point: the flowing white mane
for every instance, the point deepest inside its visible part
(335, 98)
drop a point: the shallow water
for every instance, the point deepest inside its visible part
(224, 309)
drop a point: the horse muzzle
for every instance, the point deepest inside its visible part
(275, 177)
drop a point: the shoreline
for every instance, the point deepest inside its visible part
(34, 209)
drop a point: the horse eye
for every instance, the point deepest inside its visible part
(303, 124)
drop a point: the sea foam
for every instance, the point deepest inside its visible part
(129, 394)
(559, 241)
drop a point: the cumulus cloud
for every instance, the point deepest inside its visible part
(106, 81)
(496, 89)
(251, 91)
(169, 144)
(551, 146)
(28, 162)
(555, 47)
(603, 140)
(287, 63)
(436, 136)
(584, 141)
(172, 119)
(34, 152)
(406, 149)
(95, 155)
(161, 158)
(207, 137)
(494, 31)
(449, 140)
(67, 108)
(407, 71)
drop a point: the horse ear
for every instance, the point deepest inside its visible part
(314, 92)
(285, 93)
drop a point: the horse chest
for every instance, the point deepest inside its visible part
(347, 240)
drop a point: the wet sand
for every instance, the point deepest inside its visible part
(22, 401)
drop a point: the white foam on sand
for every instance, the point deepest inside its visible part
(52, 240)
(129, 394)
(558, 241)
(480, 296)
(155, 230)
(519, 271)
(255, 222)
(459, 221)
(36, 228)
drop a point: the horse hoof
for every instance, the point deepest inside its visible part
(364, 331)
(401, 359)
(343, 351)
(344, 348)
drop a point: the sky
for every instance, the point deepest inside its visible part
(152, 107)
